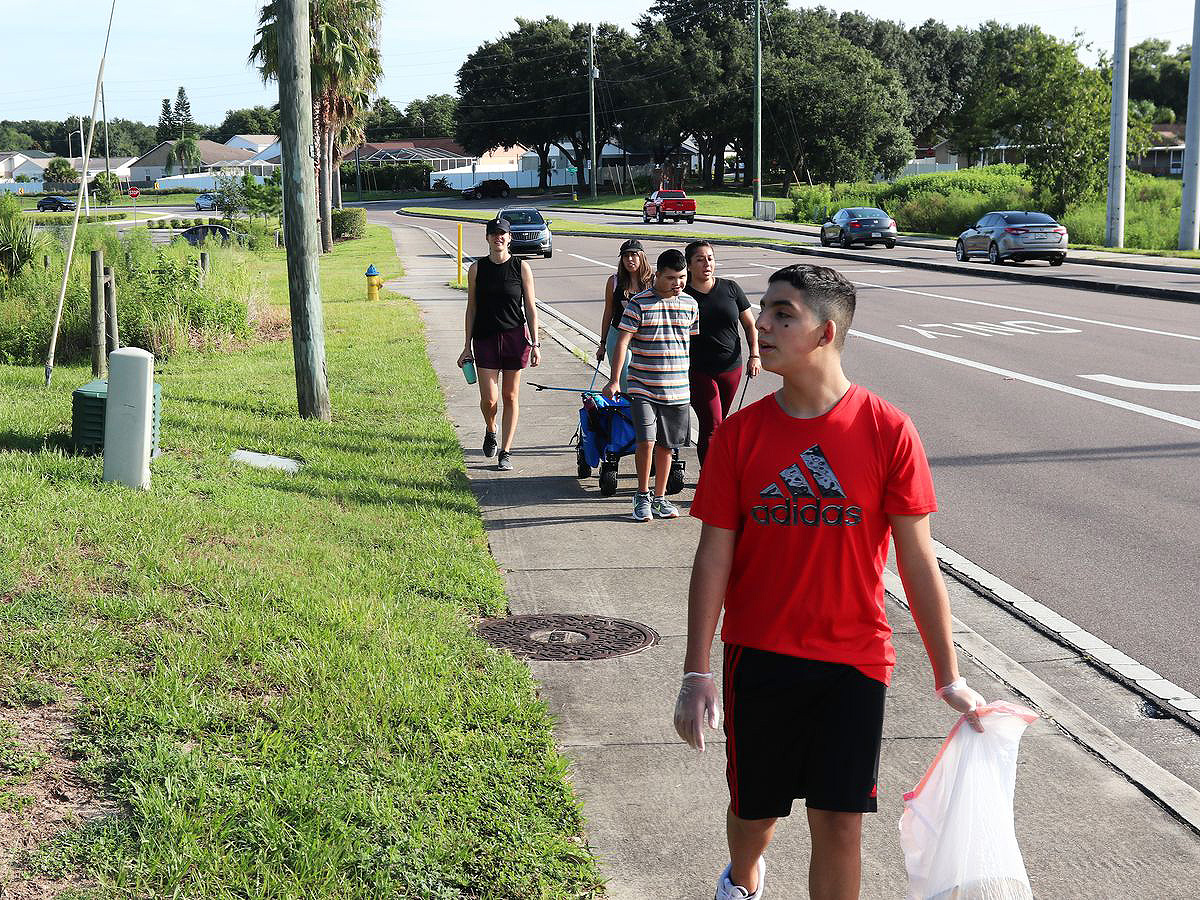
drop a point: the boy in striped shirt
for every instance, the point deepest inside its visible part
(656, 329)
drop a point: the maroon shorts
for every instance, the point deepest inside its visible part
(505, 350)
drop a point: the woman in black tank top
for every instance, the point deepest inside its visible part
(501, 336)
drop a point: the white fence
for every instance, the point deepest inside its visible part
(925, 166)
(516, 178)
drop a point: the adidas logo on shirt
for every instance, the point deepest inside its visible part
(808, 482)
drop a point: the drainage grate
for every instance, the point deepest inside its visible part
(565, 636)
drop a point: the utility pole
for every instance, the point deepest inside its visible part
(104, 112)
(592, 100)
(1114, 231)
(83, 166)
(300, 226)
(1189, 224)
(758, 105)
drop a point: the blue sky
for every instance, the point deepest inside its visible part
(158, 45)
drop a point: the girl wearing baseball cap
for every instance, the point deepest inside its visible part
(633, 276)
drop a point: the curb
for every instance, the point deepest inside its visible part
(1103, 287)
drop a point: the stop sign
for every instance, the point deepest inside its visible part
(134, 192)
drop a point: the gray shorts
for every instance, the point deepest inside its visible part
(660, 423)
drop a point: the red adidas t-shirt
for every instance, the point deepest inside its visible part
(810, 500)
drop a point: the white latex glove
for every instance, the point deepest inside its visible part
(697, 705)
(964, 700)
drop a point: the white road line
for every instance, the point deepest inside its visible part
(1040, 312)
(1039, 382)
(595, 262)
(1142, 385)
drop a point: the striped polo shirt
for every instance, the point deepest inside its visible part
(662, 328)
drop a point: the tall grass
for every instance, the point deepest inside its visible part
(1151, 215)
(162, 302)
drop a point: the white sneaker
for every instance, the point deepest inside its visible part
(727, 890)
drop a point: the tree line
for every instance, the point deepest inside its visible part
(845, 96)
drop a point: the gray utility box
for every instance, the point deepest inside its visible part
(87, 417)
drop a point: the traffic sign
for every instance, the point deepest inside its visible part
(134, 192)
(571, 170)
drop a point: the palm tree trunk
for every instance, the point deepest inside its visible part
(335, 172)
(327, 189)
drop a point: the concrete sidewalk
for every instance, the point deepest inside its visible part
(655, 809)
(1111, 258)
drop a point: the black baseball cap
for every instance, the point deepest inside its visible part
(632, 245)
(498, 226)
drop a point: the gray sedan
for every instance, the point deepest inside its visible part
(1014, 235)
(864, 225)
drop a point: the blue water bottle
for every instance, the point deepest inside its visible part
(469, 370)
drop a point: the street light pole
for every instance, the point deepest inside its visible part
(1114, 232)
(83, 166)
(592, 101)
(758, 105)
(1189, 224)
(104, 113)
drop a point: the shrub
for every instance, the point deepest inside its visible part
(213, 220)
(810, 202)
(162, 305)
(390, 176)
(349, 223)
(176, 223)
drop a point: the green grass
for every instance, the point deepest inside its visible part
(280, 681)
(738, 204)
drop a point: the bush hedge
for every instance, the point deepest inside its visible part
(349, 223)
(939, 203)
(390, 176)
(67, 217)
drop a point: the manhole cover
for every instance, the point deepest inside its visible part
(567, 637)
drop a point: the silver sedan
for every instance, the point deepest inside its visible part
(1013, 235)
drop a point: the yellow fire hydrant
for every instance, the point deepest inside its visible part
(374, 283)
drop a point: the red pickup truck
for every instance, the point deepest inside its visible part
(662, 205)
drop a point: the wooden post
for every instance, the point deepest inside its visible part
(99, 360)
(46, 261)
(203, 267)
(110, 309)
(300, 225)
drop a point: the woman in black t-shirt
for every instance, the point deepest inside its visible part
(502, 330)
(716, 367)
(633, 276)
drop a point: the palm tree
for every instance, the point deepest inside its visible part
(345, 70)
(186, 152)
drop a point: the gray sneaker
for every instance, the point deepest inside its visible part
(662, 508)
(504, 463)
(489, 444)
(641, 507)
(727, 890)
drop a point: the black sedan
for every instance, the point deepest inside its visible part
(859, 225)
(493, 187)
(55, 204)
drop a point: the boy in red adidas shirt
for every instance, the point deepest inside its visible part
(799, 495)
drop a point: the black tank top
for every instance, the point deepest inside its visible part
(499, 297)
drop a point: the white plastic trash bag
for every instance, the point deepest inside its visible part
(957, 827)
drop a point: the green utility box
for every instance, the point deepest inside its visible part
(87, 417)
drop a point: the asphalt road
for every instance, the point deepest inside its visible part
(1063, 426)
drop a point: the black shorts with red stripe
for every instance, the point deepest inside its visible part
(799, 728)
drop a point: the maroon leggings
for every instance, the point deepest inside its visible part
(712, 395)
